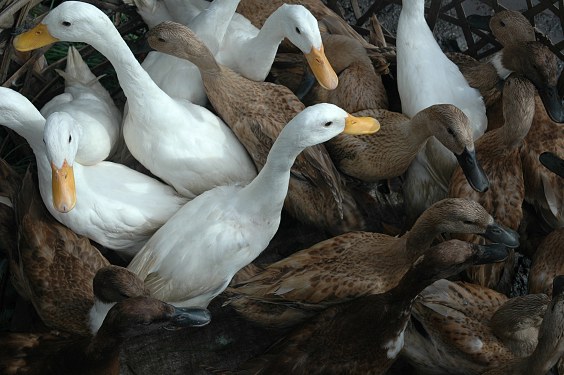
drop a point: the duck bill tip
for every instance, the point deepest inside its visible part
(63, 187)
(34, 38)
(322, 69)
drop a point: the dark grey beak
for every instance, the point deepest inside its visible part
(553, 163)
(501, 235)
(491, 253)
(557, 285)
(552, 103)
(473, 170)
(189, 317)
(479, 22)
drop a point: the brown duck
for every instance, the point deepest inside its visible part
(498, 153)
(49, 353)
(354, 264)
(364, 336)
(51, 266)
(550, 345)
(470, 328)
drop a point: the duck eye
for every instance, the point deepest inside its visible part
(468, 222)
(70, 138)
(44, 141)
(502, 23)
(327, 124)
(450, 131)
(162, 40)
(66, 23)
(298, 30)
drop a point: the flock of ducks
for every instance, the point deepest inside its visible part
(189, 182)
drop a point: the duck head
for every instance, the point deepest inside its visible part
(459, 215)
(452, 128)
(140, 315)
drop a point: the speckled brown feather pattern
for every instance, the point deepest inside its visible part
(346, 266)
(498, 153)
(548, 262)
(57, 265)
(541, 185)
(550, 346)
(470, 328)
(365, 335)
(257, 112)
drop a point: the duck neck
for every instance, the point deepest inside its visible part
(104, 346)
(413, 10)
(136, 83)
(519, 110)
(28, 122)
(270, 187)
(417, 129)
(262, 48)
(422, 234)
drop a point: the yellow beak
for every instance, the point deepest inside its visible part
(35, 38)
(64, 191)
(322, 69)
(361, 125)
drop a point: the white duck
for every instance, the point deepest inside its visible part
(244, 48)
(117, 207)
(427, 77)
(192, 258)
(184, 144)
(86, 100)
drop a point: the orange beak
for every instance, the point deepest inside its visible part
(322, 69)
(64, 191)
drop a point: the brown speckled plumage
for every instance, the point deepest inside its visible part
(389, 152)
(53, 264)
(347, 266)
(257, 112)
(548, 262)
(550, 345)
(470, 328)
(363, 336)
(498, 153)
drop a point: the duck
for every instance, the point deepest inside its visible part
(499, 154)
(257, 112)
(116, 206)
(470, 327)
(522, 54)
(184, 144)
(365, 335)
(419, 58)
(52, 267)
(553, 163)
(86, 100)
(111, 285)
(547, 263)
(49, 353)
(292, 289)
(235, 223)
(389, 153)
(550, 347)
